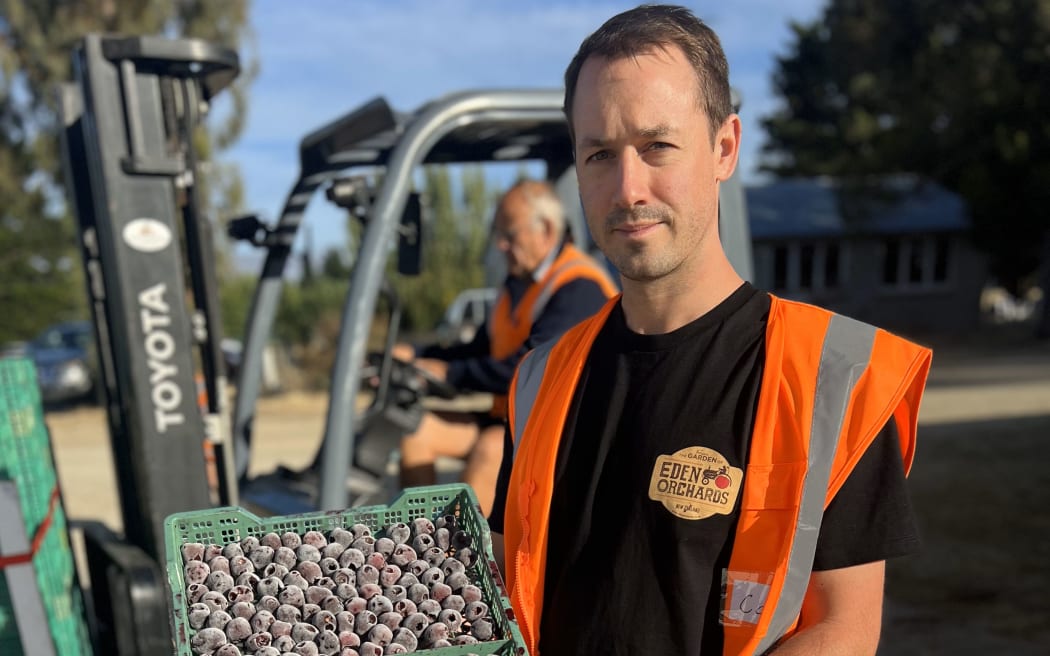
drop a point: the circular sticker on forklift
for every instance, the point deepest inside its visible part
(695, 483)
(146, 235)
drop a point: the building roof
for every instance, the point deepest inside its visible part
(809, 207)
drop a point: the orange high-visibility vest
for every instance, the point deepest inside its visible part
(828, 387)
(509, 327)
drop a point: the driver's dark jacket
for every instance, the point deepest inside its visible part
(472, 367)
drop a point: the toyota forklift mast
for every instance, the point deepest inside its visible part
(132, 177)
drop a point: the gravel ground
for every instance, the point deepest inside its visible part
(980, 487)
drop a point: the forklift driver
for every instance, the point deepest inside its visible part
(551, 285)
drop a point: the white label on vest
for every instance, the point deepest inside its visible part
(695, 483)
(746, 601)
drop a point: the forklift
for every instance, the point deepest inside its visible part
(147, 250)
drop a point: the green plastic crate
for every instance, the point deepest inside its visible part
(232, 524)
(26, 459)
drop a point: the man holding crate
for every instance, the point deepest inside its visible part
(701, 467)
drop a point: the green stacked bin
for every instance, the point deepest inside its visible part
(27, 464)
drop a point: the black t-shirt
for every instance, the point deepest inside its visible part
(626, 576)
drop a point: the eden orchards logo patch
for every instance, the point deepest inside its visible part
(695, 483)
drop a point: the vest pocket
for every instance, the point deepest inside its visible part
(775, 486)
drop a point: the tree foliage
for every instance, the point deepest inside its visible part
(952, 91)
(40, 271)
(333, 266)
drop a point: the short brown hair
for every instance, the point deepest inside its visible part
(640, 30)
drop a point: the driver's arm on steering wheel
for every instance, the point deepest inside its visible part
(434, 358)
(436, 368)
(404, 352)
(407, 353)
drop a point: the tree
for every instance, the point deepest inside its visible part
(950, 91)
(40, 272)
(333, 265)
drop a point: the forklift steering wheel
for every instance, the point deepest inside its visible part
(406, 374)
(435, 386)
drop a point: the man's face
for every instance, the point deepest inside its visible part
(524, 239)
(647, 169)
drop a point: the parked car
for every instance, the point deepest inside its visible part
(64, 355)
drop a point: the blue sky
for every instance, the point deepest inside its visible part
(322, 58)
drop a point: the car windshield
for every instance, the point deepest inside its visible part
(72, 337)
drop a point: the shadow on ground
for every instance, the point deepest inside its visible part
(981, 491)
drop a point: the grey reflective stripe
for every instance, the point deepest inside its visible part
(845, 356)
(548, 289)
(530, 375)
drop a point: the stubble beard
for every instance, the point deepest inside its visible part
(638, 261)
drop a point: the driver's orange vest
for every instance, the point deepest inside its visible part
(509, 327)
(828, 387)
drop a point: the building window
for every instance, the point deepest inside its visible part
(890, 262)
(808, 266)
(916, 262)
(780, 267)
(831, 265)
(940, 259)
(805, 266)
